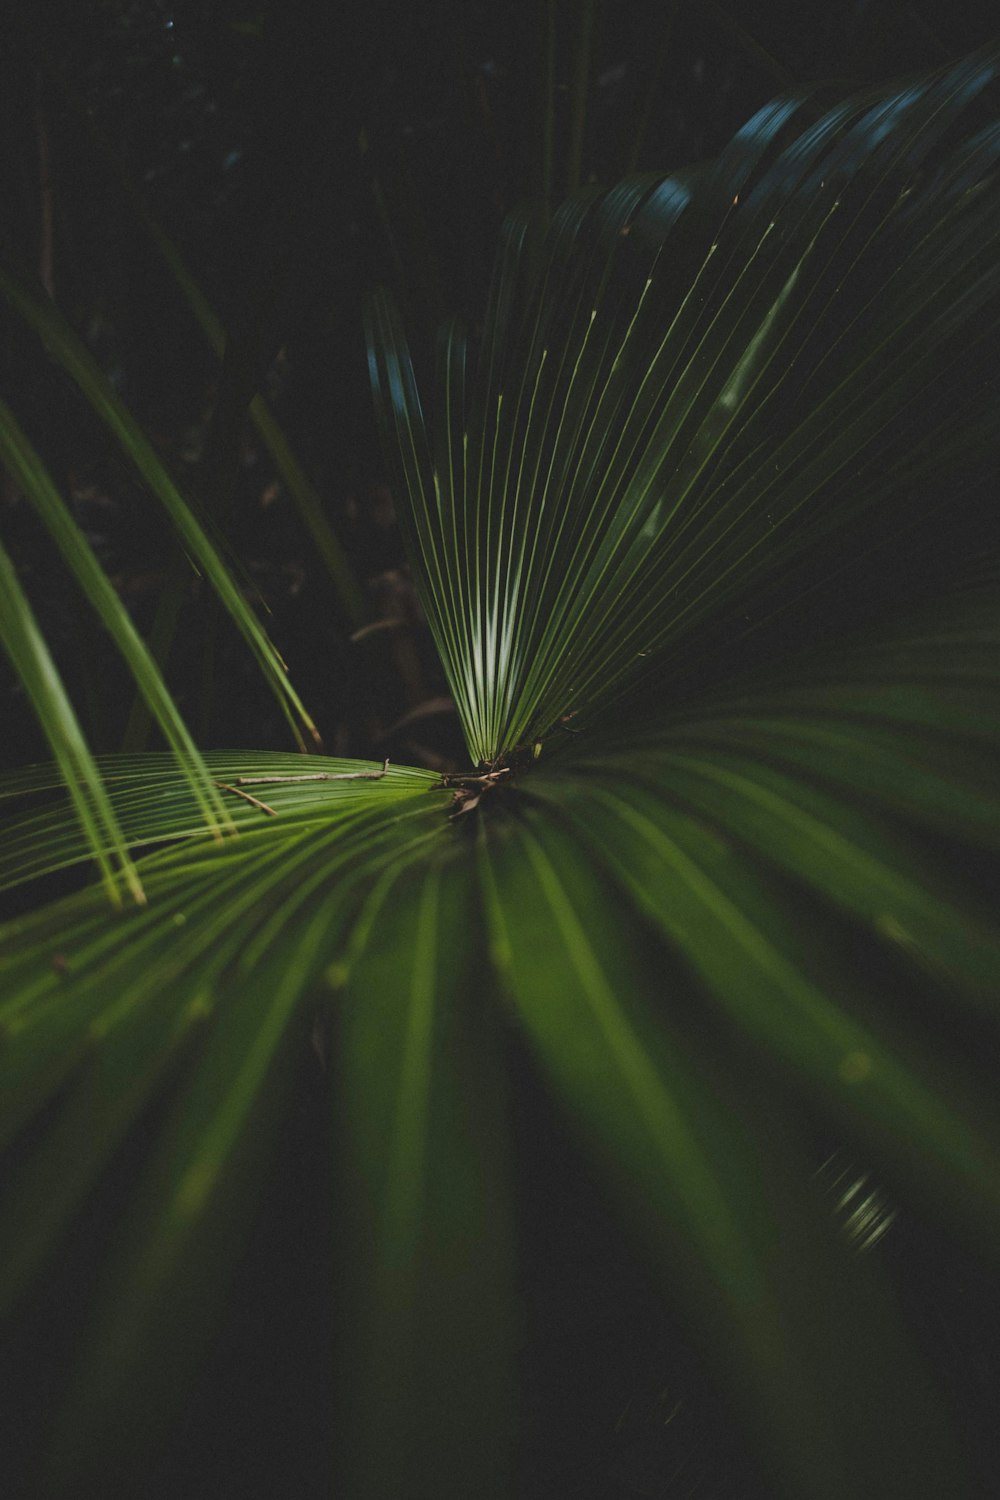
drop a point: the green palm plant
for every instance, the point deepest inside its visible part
(703, 547)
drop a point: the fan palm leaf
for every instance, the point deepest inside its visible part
(712, 379)
(728, 907)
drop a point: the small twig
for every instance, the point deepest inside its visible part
(253, 801)
(393, 622)
(468, 779)
(315, 776)
(242, 781)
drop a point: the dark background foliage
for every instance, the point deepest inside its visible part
(295, 158)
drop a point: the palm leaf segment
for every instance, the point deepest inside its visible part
(680, 425)
(711, 377)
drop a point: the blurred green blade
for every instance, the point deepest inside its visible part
(104, 1007)
(188, 1221)
(859, 864)
(903, 721)
(26, 467)
(426, 1363)
(94, 1034)
(798, 998)
(198, 1002)
(835, 766)
(95, 824)
(70, 352)
(707, 1170)
(871, 763)
(88, 997)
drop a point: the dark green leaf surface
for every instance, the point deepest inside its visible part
(426, 1361)
(196, 997)
(703, 1164)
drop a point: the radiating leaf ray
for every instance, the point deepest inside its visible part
(206, 1010)
(426, 1358)
(695, 1156)
(192, 1208)
(757, 966)
(645, 453)
(153, 803)
(100, 1022)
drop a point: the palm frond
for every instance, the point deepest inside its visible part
(705, 1166)
(153, 802)
(713, 380)
(742, 903)
(668, 919)
(197, 1001)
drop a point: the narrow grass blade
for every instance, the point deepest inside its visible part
(65, 347)
(30, 657)
(27, 468)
